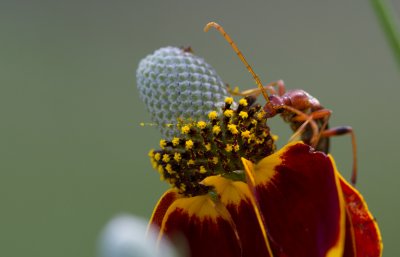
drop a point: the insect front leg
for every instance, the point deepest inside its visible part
(255, 92)
(323, 115)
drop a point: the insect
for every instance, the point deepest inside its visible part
(306, 116)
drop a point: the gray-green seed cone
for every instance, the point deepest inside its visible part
(174, 84)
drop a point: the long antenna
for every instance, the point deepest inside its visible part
(239, 53)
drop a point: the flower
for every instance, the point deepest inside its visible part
(232, 193)
(258, 202)
(125, 236)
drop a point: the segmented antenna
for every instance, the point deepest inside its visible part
(239, 54)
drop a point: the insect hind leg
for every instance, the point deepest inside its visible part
(345, 130)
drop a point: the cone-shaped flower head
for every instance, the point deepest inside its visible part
(174, 83)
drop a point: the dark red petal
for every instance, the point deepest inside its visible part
(162, 206)
(300, 199)
(236, 197)
(205, 223)
(367, 237)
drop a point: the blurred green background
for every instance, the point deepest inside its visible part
(72, 153)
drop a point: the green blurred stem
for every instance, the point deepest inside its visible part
(389, 26)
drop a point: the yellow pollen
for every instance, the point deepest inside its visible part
(246, 134)
(213, 115)
(177, 157)
(228, 148)
(201, 124)
(175, 141)
(189, 144)
(190, 162)
(163, 143)
(157, 156)
(243, 102)
(151, 153)
(208, 147)
(260, 115)
(232, 128)
(236, 148)
(243, 115)
(228, 113)
(185, 129)
(154, 164)
(216, 129)
(165, 158)
(202, 170)
(254, 122)
(229, 100)
(169, 168)
(215, 160)
(182, 187)
(160, 169)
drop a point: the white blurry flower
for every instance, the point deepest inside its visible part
(125, 236)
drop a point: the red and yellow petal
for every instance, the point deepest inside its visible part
(300, 198)
(362, 225)
(236, 197)
(205, 223)
(162, 206)
(222, 225)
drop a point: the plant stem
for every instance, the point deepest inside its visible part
(389, 26)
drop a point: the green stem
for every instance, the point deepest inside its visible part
(389, 26)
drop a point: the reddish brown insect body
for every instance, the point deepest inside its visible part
(306, 116)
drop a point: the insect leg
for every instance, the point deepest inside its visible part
(306, 118)
(270, 88)
(344, 130)
(310, 118)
